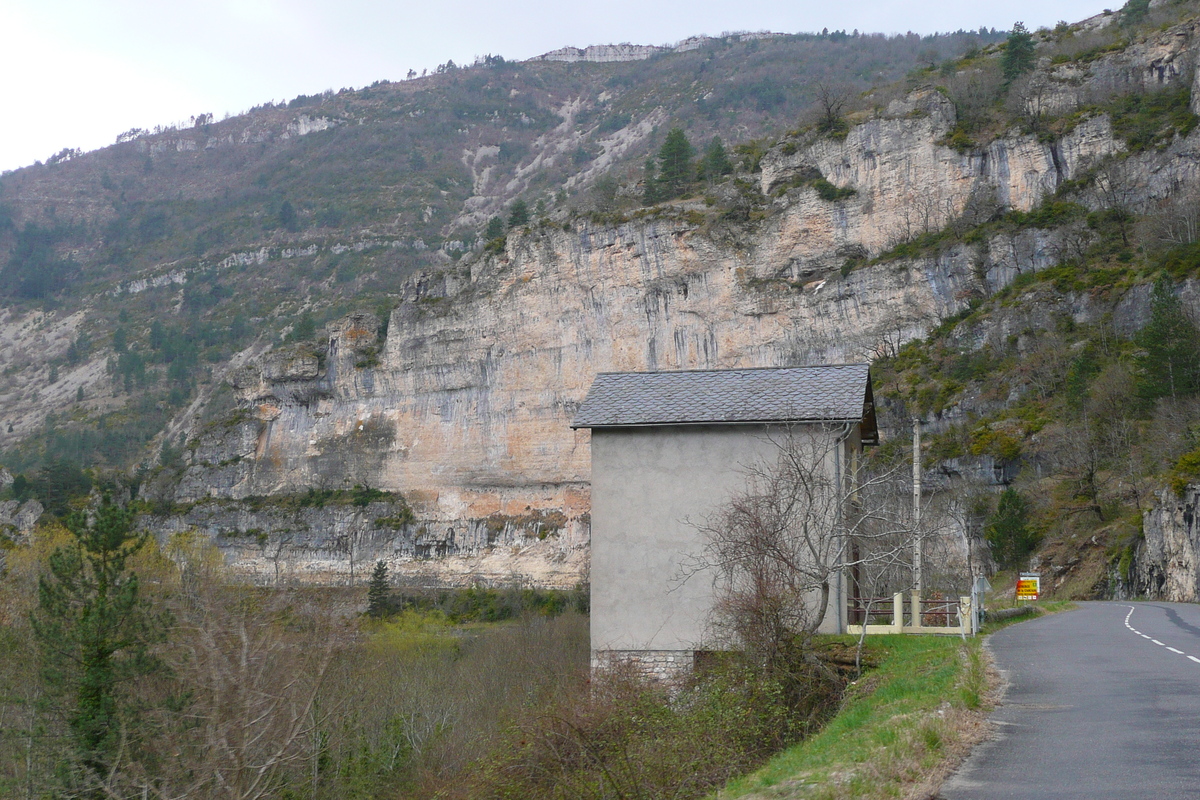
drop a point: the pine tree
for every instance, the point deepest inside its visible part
(675, 164)
(715, 162)
(95, 633)
(518, 215)
(288, 218)
(1007, 531)
(650, 183)
(494, 230)
(378, 591)
(1019, 53)
(1169, 364)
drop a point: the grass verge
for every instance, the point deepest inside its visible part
(903, 727)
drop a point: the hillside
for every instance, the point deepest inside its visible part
(330, 203)
(294, 325)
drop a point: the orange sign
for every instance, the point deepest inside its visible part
(1029, 586)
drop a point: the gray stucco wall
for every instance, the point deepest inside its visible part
(651, 488)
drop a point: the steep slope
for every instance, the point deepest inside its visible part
(231, 231)
(838, 242)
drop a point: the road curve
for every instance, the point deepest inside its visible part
(1103, 702)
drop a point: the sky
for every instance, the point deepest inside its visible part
(75, 73)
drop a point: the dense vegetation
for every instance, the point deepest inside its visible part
(130, 671)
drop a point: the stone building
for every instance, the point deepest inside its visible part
(668, 450)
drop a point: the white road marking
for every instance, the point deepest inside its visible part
(1156, 641)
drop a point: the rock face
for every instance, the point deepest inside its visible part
(464, 406)
(278, 540)
(17, 518)
(1166, 565)
(604, 53)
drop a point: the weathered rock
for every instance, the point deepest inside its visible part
(1165, 563)
(18, 517)
(281, 540)
(465, 406)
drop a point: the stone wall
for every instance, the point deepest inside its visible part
(665, 667)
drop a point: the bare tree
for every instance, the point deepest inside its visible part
(239, 712)
(1031, 97)
(1179, 219)
(832, 100)
(974, 94)
(803, 518)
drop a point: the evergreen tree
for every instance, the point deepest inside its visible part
(650, 183)
(1019, 53)
(95, 633)
(1007, 531)
(494, 230)
(378, 591)
(715, 162)
(1134, 12)
(675, 165)
(1169, 364)
(288, 218)
(304, 329)
(518, 215)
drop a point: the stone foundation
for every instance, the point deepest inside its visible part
(659, 666)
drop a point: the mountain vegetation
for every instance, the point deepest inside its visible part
(1059, 392)
(277, 220)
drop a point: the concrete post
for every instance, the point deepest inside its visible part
(897, 612)
(917, 556)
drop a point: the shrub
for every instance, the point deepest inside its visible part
(1154, 119)
(629, 738)
(830, 193)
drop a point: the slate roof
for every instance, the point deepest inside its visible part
(836, 392)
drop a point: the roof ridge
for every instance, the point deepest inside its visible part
(732, 369)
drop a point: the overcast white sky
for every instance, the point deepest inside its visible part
(75, 73)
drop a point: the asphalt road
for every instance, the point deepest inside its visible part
(1103, 702)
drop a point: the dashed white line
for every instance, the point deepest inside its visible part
(1156, 641)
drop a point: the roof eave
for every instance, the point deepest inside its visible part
(790, 421)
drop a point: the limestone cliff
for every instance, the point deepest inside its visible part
(464, 406)
(1165, 564)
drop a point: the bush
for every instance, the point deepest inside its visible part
(830, 193)
(1154, 119)
(630, 738)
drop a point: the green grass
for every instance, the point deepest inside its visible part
(898, 723)
(888, 730)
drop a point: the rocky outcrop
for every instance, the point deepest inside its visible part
(464, 406)
(290, 539)
(17, 518)
(605, 53)
(1166, 564)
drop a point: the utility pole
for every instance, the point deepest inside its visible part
(916, 556)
